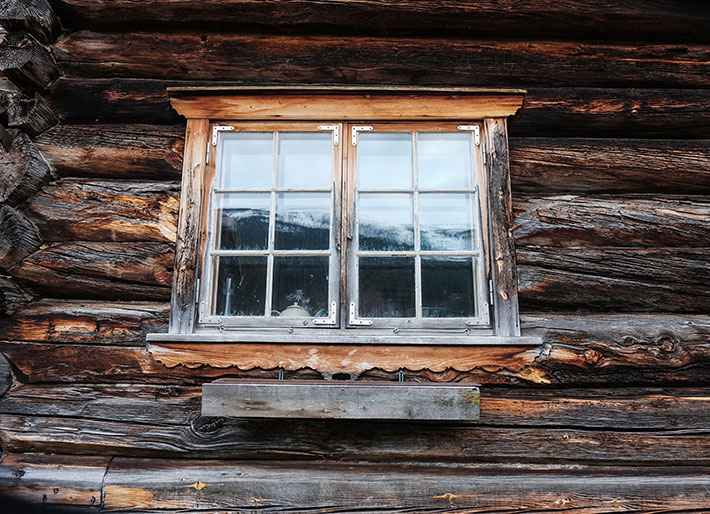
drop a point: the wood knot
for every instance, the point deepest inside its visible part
(667, 345)
(18, 472)
(204, 425)
(592, 357)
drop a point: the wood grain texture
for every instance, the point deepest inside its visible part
(70, 321)
(6, 375)
(115, 152)
(35, 16)
(584, 165)
(31, 114)
(26, 62)
(567, 112)
(18, 238)
(23, 169)
(112, 271)
(321, 59)
(70, 209)
(635, 220)
(12, 296)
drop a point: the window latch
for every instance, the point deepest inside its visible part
(355, 321)
(336, 132)
(221, 128)
(476, 132)
(359, 128)
(330, 320)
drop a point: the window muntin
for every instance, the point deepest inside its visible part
(278, 250)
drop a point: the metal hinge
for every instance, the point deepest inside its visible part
(209, 149)
(357, 322)
(483, 152)
(476, 132)
(359, 128)
(330, 320)
(490, 291)
(336, 132)
(221, 128)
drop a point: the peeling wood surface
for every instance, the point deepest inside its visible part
(23, 169)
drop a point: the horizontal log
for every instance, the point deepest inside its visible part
(579, 165)
(299, 59)
(585, 112)
(113, 271)
(23, 169)
(18, 238)
(26, 62)
(110, 151)
(638, 20)
(35, 16)
(30, 114)
(53, 479)
(67, 321)
(105, 210)
(12, 296)
(620, 280)
(647, 349)
(611, 221)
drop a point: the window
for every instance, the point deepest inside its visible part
(337, 214)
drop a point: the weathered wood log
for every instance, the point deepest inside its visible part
(26, 62)
(35, 16)
(23, 170)
(5, 375)
(66, 321)
(32, 115)
(585, 112)
(648, 349)
(113, 271)
(54, 479)
(620, 280)
(105, 210)
(18, 238)
(578, 165)
(110, 151)
(297, 59)
(637, 20)
(639, 220)
(12, 296)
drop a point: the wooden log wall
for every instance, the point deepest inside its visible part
(610, 161)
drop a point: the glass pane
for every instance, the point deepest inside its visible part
(385, 222)
(444, 160)
(384, 160)
(386, 287)
(305, 160)
(300, 287)
(302, 221)
(241, 286)
(247, 160)
(447, 287)
(243, 221)
(446, 221)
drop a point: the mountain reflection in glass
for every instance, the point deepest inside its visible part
(302, 221)
(241, 286)
(305, 160)
(386, 287)
(301, 286)
(247, 160)
(446, 222)
(447, 287)
(243, 221)
(385, 222)
(384, 160)
(444, 160)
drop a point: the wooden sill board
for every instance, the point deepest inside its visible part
(337, 399)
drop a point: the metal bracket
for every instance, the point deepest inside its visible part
(221, 128)
(476, 132)
(357, 322)
(359, 128)
(330, 320)
(336, 132)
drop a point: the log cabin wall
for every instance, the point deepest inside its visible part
(610, 161)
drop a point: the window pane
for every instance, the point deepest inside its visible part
(384, 160)
(447, 287)
(385, 222)
(302, 221)
(300, 287)
(241, 286)
(386, 287)
(446, 221)
(243, 221)
(444, 160)
(247, 160)
(305, 160)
